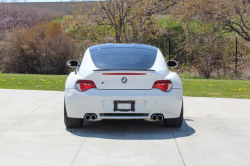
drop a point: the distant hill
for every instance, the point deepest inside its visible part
(62, 6)
(58, 6)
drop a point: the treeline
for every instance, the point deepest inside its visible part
(201, 34)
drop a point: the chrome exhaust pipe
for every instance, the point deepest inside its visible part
(160, 117)
(87, 117)
(93, 117)
(154, 117)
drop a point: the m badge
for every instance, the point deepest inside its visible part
(124, 79)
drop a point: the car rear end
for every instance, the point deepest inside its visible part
(123, 82)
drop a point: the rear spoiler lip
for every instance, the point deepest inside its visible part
(124, 69)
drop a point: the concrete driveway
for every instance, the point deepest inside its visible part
(32, 132)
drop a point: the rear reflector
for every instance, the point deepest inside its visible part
(124, 74)
(83, 85)
(164, 85)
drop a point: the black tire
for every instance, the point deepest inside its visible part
(174, 122)
(72, 122)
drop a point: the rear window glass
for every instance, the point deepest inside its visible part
(123, 58)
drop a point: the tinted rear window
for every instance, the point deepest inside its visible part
(123, 58)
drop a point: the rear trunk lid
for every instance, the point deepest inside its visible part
(124, 79)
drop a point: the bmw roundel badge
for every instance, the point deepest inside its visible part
(124, 79)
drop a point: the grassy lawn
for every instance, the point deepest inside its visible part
(216, 88)
(192, 87)
(32, 82)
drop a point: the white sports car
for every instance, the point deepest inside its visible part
(123, 81)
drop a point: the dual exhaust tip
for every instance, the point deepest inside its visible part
(157, 117)
(91, 117)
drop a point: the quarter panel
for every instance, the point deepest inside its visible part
(160, 66)
(87, 65)
(71, 80)
(174, 77)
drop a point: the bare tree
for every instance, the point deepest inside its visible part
(230, 15)
(130, 19)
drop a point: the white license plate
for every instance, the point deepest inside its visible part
(124, 106)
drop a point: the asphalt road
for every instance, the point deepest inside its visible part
(32, 132)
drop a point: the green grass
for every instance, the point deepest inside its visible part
(32, 82)
(216, 88)
(192, 87)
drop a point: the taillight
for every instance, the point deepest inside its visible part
(83, 85)
(164, 85)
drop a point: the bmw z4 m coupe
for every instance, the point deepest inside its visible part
(123, 81)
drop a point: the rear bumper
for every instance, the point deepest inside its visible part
(100, 102)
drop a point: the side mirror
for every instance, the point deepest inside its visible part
(73, 63)
(172, 63)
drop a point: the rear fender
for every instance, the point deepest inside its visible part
(177, 84)
(71, 80)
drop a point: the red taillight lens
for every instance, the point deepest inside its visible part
(164, 85)
(83, 85)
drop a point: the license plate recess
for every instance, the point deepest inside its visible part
(132, 108)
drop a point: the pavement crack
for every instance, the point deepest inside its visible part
(80, 147)
(178, 147)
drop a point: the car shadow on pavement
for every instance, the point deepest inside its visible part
(131, 130)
